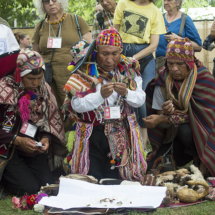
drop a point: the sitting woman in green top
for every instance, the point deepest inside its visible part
(140, 23)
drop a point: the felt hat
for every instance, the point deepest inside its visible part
(181, 49)
(80, 52)
(26, 62)
(9, 49)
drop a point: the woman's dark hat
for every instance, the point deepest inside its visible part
(80, 52)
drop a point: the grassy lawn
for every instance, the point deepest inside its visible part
(207, 208)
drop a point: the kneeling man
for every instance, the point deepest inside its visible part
(181, 109)
(108, 141)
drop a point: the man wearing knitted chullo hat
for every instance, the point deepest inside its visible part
(108, 142)
(181, 109)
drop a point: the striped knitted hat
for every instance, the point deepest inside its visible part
(181, 49)
(109, 37)
(26, 62)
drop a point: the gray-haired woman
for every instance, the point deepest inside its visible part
(45, 39)
(173, 20)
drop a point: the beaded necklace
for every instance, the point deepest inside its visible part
(61, 20)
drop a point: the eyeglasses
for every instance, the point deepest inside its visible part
(48, 1)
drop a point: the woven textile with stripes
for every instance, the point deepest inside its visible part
(80, 162)
(201, 111)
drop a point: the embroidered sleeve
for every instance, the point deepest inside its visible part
(178, 119)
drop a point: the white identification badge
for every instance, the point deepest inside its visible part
(28, 129)
(112, 112)
(54, 42)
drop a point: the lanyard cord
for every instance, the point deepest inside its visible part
(59, 30)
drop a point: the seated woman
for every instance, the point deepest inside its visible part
(23, 40)
(30, 127)
(181, 108)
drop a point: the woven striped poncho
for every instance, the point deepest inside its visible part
(201, 110)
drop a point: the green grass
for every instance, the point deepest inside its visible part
(206, 208)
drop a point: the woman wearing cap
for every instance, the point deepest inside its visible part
(140, 23)
(181, 109)
(57, 19)
(23, 40)
(30, 122)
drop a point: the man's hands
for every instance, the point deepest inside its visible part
(45, 143)
(151, 121)
(107, 89)
(120, 88)
(28, 145)
(168, 107)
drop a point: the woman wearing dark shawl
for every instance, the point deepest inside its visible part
(31, 126)
(181, 109)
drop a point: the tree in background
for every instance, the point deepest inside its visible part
(21, 10)
(85, 9)
(212, 3)
(26, 15)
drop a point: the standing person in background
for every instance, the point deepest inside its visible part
(173, 21)
(140, 23)
(104, 19)
(58, 20)
(98, 8)
(23, 40)
(209, 43)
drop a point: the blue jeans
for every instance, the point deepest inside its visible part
(147, 74)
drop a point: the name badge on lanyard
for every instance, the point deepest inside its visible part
(54, 42)
(28, 129)
(112, 112)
